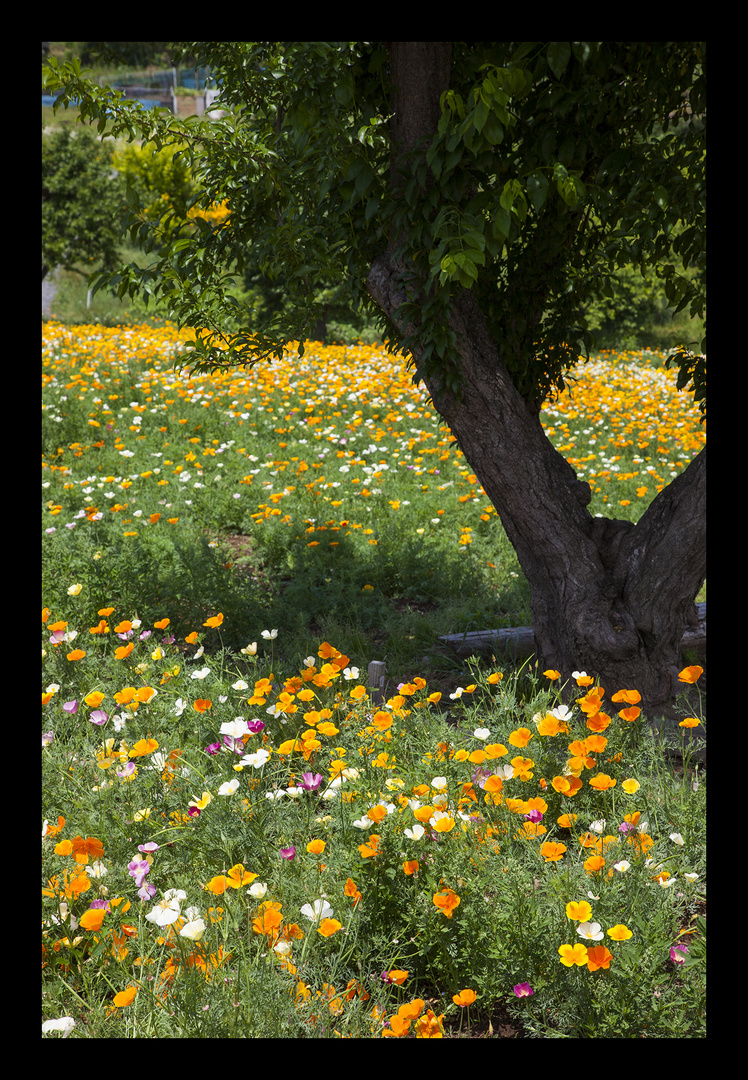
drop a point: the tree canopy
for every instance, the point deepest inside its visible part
(552, 164)
(82, 202)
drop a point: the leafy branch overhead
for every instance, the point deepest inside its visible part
(553, 165)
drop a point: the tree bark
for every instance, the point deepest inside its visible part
(607, 596)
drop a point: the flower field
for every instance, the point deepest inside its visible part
(240, 839)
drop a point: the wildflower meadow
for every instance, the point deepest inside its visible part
(243, 838)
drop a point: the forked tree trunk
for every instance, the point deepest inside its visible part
(607, 596)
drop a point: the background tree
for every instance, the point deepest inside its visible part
(480, 195)
(82, 203)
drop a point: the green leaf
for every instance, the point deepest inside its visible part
(537, 189)
(558, 55)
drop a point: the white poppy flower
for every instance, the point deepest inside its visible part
(168, 910)
(65, 1024)
(235, 728)
(193, 930)
(228, 788)
(590, 931)
(319, 910)
(257, 759)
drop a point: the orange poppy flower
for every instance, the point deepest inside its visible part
(125, 997)
(520, 737)
(594, 864)
(592, 700)
(602, 782)
(351, 890)
(92, 919)
(523, 767)
(493, 784)
(328, 927)
(81, 849)
(552, 851)
(465, 997)
(598, 957)
(691, 674)
(368, 851)
(447, 902)
(143, 747)
(268, 922)
(598, 721)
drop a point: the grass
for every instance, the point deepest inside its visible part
(322, 503)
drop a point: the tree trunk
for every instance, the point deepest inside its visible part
(607, 596)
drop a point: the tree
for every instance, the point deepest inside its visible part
(479, 195)
(82, 201)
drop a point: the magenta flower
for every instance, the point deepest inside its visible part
(310, 781)
(138, 869)
(213, 748)
(675, 954)
(535, 816)
(233, 744)
(288, 852)
(523, 990)
(255, 726)
(71, 707)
